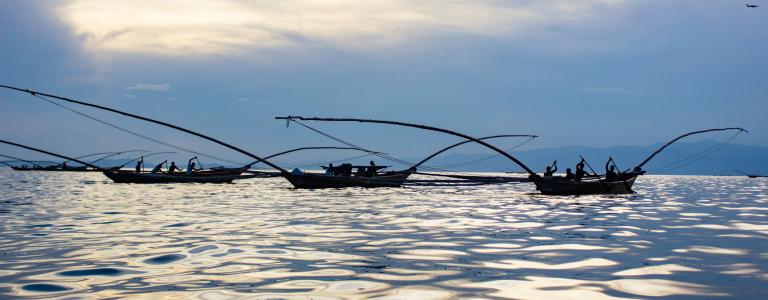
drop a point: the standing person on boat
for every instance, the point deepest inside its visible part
(551, 169)
(372, 170)
(329, 170)
(173, 168)
(158, 168)
(138, 164)
(610, 171)
(191, 165)
(568, 174)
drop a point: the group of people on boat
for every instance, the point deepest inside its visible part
(345, 169)
(172, 169)
(611, 173)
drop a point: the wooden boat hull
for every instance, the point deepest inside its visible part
(558, 186)
(201, 177)
(320, 181)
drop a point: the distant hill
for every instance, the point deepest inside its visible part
(725, 161)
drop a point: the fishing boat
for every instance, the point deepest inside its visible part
(308, 180)
(752, 175)
(557, 185)
(202, 176)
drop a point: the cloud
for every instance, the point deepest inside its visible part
(130, 96)
(155, 87)
(225, 26)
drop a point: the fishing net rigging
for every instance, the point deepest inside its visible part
(695, 157)
(466, 163)
(385, 156)
(138, 134)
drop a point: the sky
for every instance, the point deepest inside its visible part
(598, 73)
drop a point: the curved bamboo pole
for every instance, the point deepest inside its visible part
(309, 148)
(469, 141)
(640, 166)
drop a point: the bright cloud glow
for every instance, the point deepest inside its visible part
(226, 26)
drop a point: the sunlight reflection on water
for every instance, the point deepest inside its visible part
(77, 234)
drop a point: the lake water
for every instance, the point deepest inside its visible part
(77, 235)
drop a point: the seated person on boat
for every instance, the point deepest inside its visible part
(568, 174)
(173, 168)
(158, 168)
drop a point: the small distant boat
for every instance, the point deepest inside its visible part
(202, 176)
(752, 175)
(63, 167)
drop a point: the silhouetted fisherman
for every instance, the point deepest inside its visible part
(138, 164)
(568, 174)
(191, 165)
(329, 171)
(158, 168)
(346, 169)
(610, 171)
(550, 171)
(580, 173)
(173, 168)
(372, 170)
